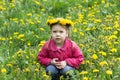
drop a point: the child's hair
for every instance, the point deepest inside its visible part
(66, 27)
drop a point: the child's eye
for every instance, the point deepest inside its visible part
(54, 31)
(61, 31)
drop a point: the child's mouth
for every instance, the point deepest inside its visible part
(57, 38)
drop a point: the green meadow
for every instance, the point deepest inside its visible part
(23, 31)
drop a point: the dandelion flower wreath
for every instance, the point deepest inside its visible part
(61, 21)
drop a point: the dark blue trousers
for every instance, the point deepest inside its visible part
(56, 73)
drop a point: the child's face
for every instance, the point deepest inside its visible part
(59, 33)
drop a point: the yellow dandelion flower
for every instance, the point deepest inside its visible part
(50, 22)
(15, 33)
(116, 42)
(85, 78)
(3, 70)
(19, 53)
(87, 29)
(75, 30)
(95, 70)
(103, 63)
(32, 32)
(93, 28)
(37, 3)
(66, 22)
(27, 69)
(37, 64)
(10, 42)
(28, 43)
(109, 43)
(22, 39)
(31, 22)
(44, 74)
(10, 38)
(115, 32)
(44, 0)
(3, 39)
(27, 57)
(118, 59)
(109, 72)
(61, 77)
(12, 5)
(103, 53)
(63, 22)
(94, 56)
(42, 29)
(103, 1)
(87, 61)
(82, 34)
(89, 50)
(85, 22)
(117, 12)
(97, 21)
(81, 45)
(83, 62)
(12, 1)
(29, 14)
(84, 72)
(38, 21)
(36, 70)
(113, 50)
(116, 24)
(112, 37)
(32, 55)
(43, 10)
(20, 36)
(2, 8)
(22, 22)
(42, 43)
(81, 16)
(39, 49)
(9, 65)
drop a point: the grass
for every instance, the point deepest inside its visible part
(23, 31)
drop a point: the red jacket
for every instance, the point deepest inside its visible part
(70, 52)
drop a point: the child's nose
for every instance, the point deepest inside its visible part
(58, 33)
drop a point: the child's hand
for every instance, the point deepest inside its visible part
(61, 65)
(54, 62)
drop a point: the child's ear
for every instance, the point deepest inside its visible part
(67, 33)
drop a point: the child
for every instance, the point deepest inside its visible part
(60, 54)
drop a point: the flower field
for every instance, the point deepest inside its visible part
(23, 31)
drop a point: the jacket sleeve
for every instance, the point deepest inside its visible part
(77, 57)
(43, 57)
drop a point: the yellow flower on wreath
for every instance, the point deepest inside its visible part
(61, 21)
